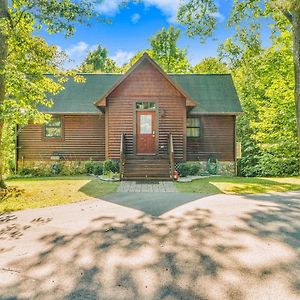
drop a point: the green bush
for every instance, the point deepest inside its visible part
(183, 169)
(110, 166)
(186, 169)
(89, 167)
(70, 168)
(44, 171)
(93, 167)
(194, 168)
(98, 168)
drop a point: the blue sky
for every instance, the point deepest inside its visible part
(131, 28)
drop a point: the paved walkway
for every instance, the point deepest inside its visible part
(146, 187)
(208, 247)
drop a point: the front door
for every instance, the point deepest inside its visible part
(145, 135)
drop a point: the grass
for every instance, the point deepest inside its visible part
(50, 191)
(239, 185)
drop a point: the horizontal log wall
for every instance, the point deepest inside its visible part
(146, 83)
(217, 138)
(84, 138)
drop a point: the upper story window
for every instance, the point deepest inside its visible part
(193, 127)
(145, 105)
(53, 129)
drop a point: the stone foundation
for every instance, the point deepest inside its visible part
(226, 168)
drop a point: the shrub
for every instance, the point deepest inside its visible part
(194, 168)
(110, 166)
(186, 169)
(183, 169)
(89, 167)
(93, 167)
(44, 171)
(98, 168)
(72, 168)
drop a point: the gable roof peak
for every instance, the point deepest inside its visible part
(102, 100)
(145, 54)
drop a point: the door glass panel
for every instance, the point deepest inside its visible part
(145, 124)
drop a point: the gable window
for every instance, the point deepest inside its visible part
(193, 127)
(53, 129)
(145, 105)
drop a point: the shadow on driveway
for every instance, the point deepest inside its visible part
(227, 247)
(154, 204)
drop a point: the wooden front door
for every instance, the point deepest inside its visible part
(146, 131)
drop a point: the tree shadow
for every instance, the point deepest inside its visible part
(145, 258)
(251, 255)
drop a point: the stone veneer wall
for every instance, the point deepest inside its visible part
(227, 168)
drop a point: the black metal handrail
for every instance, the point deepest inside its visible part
(122, 154)
(171, 155)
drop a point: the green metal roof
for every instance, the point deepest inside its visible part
(212, 93)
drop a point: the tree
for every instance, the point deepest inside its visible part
(200, 18)
(25, 58)
(265, 83)
(210, 65)
(134, 59)
(165, 51)
(98, 61)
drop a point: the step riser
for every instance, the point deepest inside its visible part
(146, 169)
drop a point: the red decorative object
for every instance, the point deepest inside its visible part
(175, 175)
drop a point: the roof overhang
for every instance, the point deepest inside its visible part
(102, 101)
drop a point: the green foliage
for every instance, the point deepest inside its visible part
(93, 167)
(25, 58)
(183, 169)
(165, 51)
(199, 16)
(89, 167)
(210, 65)
(267, 130)
(8, 146)
(110, 166)
(67, 168)
(127, 66)
(98, 168)
(212, 166)
(98, 61)
(188, 168)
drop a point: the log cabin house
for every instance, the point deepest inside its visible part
(146, 119)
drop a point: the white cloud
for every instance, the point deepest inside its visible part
(109, 7)
(135, 18)
(218, 16)
(122, 57)
(168, 7)
(76, 53)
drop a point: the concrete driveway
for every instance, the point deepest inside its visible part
(203, 247)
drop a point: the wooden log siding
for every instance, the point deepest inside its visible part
(217, 138)
(84, 138)
(145, 84)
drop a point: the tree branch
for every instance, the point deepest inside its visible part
(287, 14)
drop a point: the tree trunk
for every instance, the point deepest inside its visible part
(296, 40)
(3, 58)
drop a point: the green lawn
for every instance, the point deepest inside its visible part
(43, 192)
(239, 185)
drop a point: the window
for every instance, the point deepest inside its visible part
(145, 124)
(53, 129)
(145, 105)
(193, 127)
